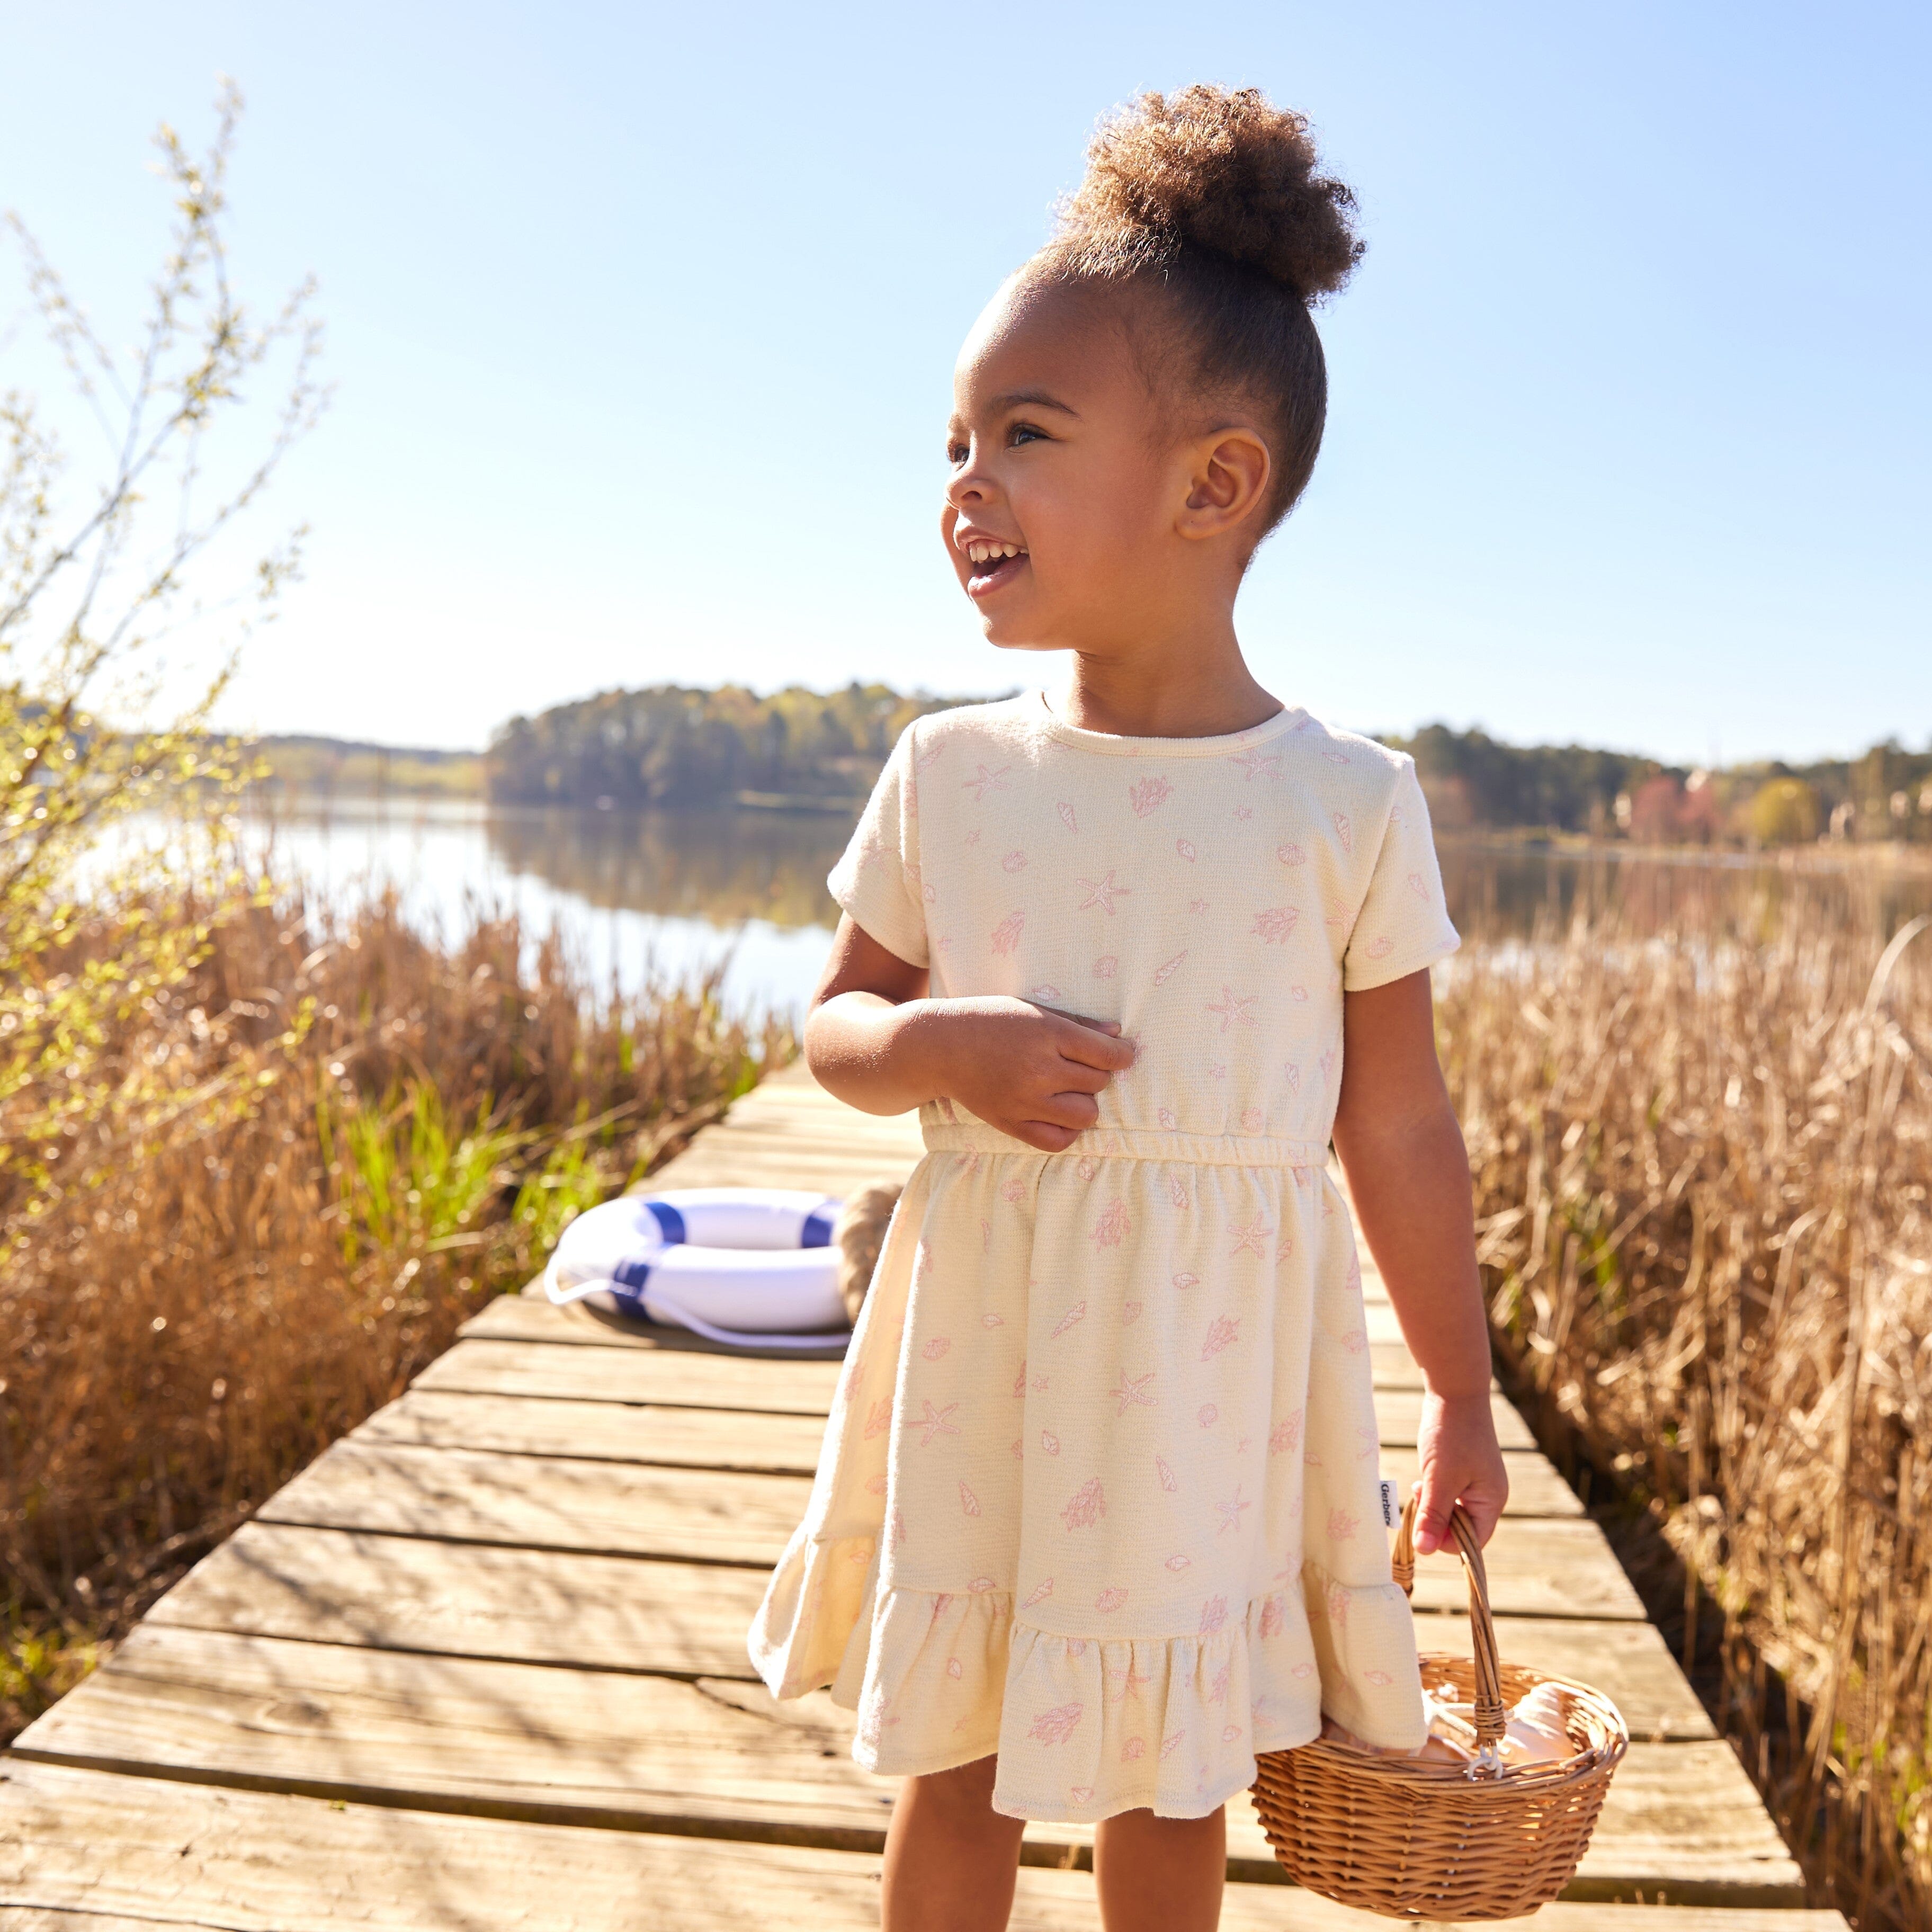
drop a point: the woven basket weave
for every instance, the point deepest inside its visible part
(1415, 1839)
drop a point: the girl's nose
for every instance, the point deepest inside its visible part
(968, 486)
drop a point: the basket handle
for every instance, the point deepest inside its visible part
(1492, 1715)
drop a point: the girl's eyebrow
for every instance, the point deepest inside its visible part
(1036, 399)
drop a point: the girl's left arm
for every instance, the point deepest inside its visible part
(1408, 1172)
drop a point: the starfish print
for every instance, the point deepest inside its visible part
(1259, 764)
(1101, 892)
(983, 782)
(1132, 1392)
(1253, 1238)
(1135, 1681)
(936, 1422)
(1231, 1510)
(1234, 1011)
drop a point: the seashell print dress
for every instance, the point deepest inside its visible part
(1099, 1489)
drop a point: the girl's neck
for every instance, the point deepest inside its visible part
(1199, 687)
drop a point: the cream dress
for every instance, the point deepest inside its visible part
(1099, 1489)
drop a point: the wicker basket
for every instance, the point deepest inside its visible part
(1416, 1839)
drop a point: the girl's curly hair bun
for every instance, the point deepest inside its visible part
(1227, 174)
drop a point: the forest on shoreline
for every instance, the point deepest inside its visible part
(676, 747)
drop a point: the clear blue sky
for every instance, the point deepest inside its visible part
(643, 321)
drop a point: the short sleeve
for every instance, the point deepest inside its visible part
(877, 879)
(1403, 924)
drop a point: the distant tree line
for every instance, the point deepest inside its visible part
(677, 745)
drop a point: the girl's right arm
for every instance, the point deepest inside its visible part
(873, 1038)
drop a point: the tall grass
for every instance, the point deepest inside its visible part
(1703, 1162)
(383, 1131)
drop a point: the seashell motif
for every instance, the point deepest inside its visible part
(968, 1501)
(1110, 1599)
(1056, 1726)
(1049, 1442)
(1087, 1505)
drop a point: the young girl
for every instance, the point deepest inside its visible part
(1097, 1517)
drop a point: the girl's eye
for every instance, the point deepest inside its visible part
(956, 453)
(1025, 433)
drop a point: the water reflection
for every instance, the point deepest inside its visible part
(724, 866)
(668, 891)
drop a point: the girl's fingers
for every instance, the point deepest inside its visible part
(1080, 1019)
(1071, 1110)
(1071, 1077)
(1089, 1047)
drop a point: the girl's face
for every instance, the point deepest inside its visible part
(1064, 490)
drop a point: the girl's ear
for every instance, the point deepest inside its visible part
(1228, 482)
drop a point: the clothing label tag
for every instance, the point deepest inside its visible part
(1391, 1503)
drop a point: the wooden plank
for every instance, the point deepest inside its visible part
(517, 1740)
(691, 1438)
(1536, 1566)
(700, 1438)
(594, 1612)
(85, 1851)
(540, 1503)
(481, 1365)
(397, 1593)
(674, 1378)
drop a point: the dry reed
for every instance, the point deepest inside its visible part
(389, 1130)
(1702, 1158)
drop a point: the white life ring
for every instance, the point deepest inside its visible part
(750, 1265)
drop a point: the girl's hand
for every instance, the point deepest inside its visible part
(1460, 1461)
(1028, 1070)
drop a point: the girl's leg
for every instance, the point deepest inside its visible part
(950, 1857)
(1160, 1874)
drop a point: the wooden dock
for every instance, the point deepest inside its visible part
(482, 1665)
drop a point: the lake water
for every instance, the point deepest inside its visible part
(669, 893)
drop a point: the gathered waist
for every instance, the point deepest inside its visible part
(1132, 1144)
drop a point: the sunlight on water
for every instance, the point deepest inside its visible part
(673, 892)
(664, 897)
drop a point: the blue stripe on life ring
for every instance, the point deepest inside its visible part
(669, 1219)
(631, 1275)
(817, 1232)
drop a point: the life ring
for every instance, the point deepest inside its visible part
(754, 1266)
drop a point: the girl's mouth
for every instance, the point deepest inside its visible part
(992, 566)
